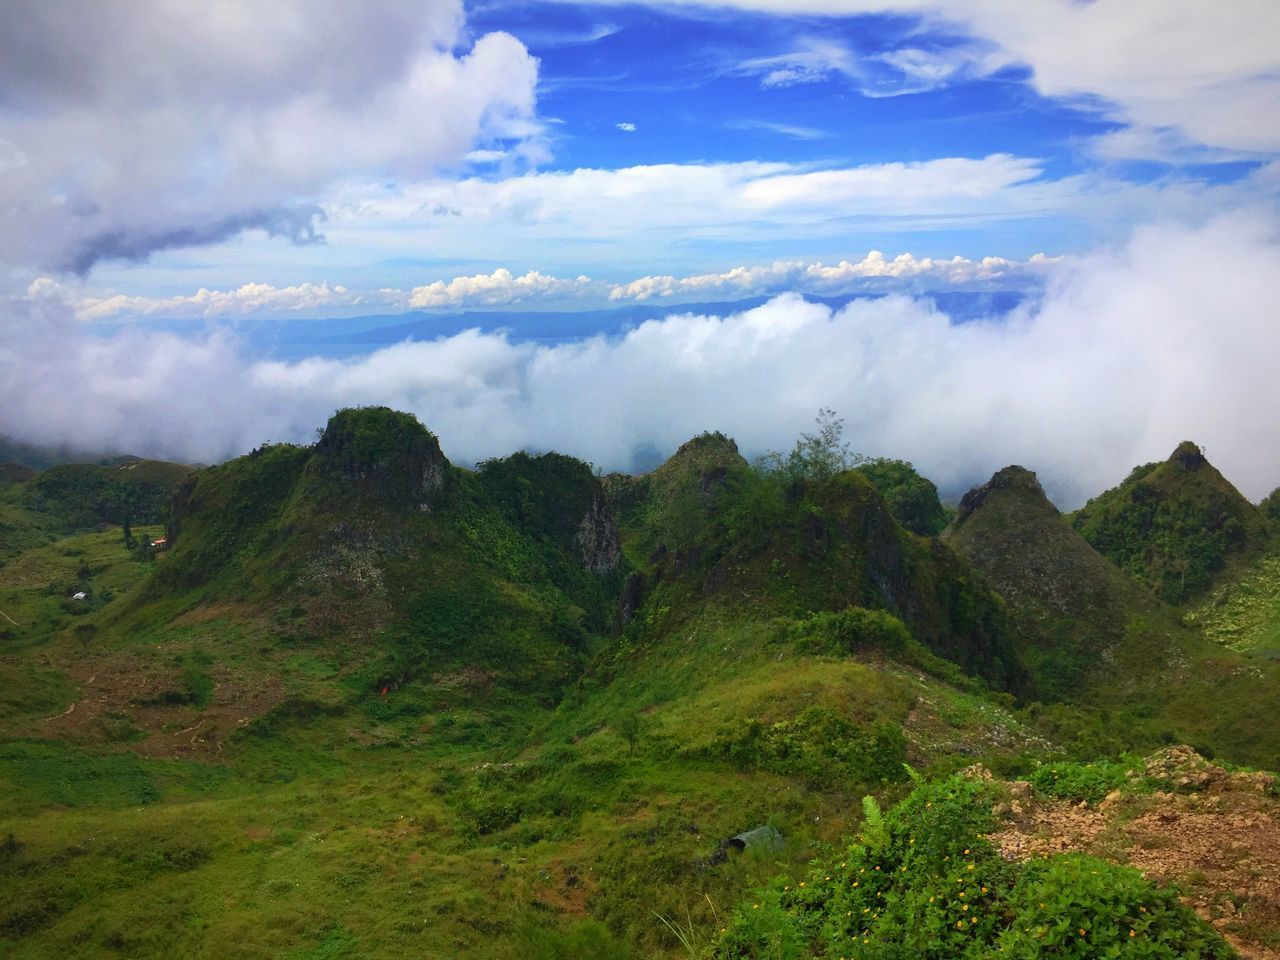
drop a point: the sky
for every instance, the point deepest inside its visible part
(814, 201)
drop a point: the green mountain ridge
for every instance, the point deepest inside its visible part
(370, 703)
(1179, 525)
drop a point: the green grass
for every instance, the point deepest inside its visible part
(435, 739)
(1245, 615)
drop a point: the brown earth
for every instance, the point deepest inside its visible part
(1214, 834)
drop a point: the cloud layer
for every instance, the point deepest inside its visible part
(133, 126)
(503, 287)
(1131, 351)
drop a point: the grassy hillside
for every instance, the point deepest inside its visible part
(1179, 526)
(1094, 636)
(371, 704)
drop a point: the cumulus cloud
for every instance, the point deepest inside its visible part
(499, 287)
(626, 127)
(248, 298)
(836, 278)
(133, 126)
(502, 287)
(1130, 351)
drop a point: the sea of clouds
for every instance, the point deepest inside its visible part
(1170, 336)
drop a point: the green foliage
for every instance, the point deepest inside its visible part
(850, 631)
(816, 456)
(628, 727)
(875, 829)
(584, 940)
(1172, 525)
(819, 745)
(1076, 907)
(1269, 506)
(81, 496)
(931, 887)
(1090, 781)
(912, 499)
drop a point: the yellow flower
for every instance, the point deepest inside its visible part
(964, 906)
(973, 919)
(1133, 933)
(1082, 931)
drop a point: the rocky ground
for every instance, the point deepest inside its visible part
(1180, 819)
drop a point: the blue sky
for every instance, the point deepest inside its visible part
(614, 141)
(172, 183)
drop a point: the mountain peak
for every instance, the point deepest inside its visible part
(1010, 478)
(384, 449)
(1188, 456)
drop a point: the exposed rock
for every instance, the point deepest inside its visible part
(597, 540)
(1188, 456)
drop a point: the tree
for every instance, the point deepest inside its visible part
(628, 727)
(128, 531)
(816, 456)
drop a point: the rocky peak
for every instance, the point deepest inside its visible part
(1188, 456)
(387, 451)
(1010, 478)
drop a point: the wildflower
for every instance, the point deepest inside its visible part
(755, 906)
(973, 919)
(1082, 931)
(1133, 933)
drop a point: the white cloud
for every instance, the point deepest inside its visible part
(627, 127)
(1114, 366)
(249, 298)
(499, 287)
(504, 288)
(799, 275)
(518, 218)
(1209, 71)
(130, 127)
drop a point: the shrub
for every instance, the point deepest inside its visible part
(1079, 781)
(1077, 907)
(819, 745)
(934, 888)
(850, 630)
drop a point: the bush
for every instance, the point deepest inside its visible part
(1079, 781)
(819, 745)
(1077, 907)
(934, 888)
(850, 630)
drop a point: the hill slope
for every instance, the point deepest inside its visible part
(1178, 526)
